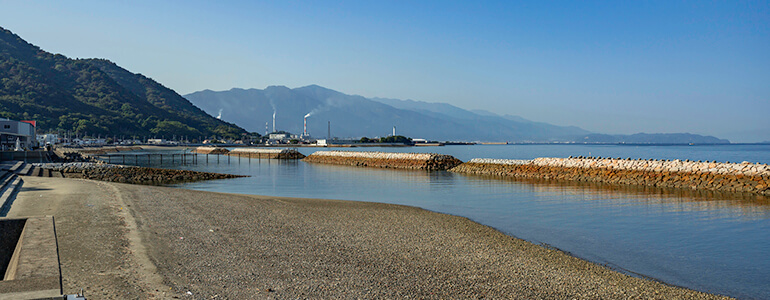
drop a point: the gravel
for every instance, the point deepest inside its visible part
(239, 246)
(121, 241)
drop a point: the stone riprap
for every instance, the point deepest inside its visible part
(731, 177)
(100, 150)
(416, 161)
(132, 174)
(210, 150)
(267, 153)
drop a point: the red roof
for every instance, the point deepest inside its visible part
(34, 123)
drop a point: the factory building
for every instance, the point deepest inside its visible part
(12, 131)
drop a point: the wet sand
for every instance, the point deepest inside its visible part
(122, 241)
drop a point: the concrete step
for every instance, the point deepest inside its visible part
(33, 269)
(7, 197)
(6, 181)
(56, 174)
(36, 171)
(7, 165)
(4, 175)
(16, 166)
(46, 173)
(25, 169)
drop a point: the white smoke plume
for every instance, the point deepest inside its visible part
(219, 116)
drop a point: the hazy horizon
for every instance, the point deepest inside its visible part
(617, 68)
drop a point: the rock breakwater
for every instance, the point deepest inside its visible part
(211, 150)
(267, 153)
(132, 174)
(100, 150)
(731, 177)
(415, 161)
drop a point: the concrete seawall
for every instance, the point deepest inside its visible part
(731, 177)
(415, 161)
(267, 153)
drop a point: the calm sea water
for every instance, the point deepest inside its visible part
(712, 242)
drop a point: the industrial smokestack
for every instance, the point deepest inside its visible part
(273, 121)
(394, 130)
(304, 124)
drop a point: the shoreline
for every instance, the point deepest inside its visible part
(244, 246)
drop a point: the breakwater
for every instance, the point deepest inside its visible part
(99, 150)
(718, 176)
(210, 150)
(266, 153)
(415, 161)
(132, 174)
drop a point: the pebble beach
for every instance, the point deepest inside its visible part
(121, 241)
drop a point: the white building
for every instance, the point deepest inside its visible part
(47, 139)
(279, 136)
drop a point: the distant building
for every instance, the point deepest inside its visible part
(279, 136)
(156, 141)
(326, 142)
(89, 142)
(47, 139)
(23, 131)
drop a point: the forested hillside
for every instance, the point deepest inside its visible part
(93, 96)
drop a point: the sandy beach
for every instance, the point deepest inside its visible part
(120, 241)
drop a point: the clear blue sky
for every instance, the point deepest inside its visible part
(606, 66)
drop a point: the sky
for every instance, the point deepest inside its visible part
(617, 67)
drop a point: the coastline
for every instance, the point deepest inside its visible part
(119, 240)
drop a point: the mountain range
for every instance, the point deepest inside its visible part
(93, 96)
(98, 97)
(352, 116)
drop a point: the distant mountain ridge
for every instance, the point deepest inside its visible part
(356, 116)
(654, 138)
(93, 96)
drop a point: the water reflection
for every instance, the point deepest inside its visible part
(397, 176)
(724, 204)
